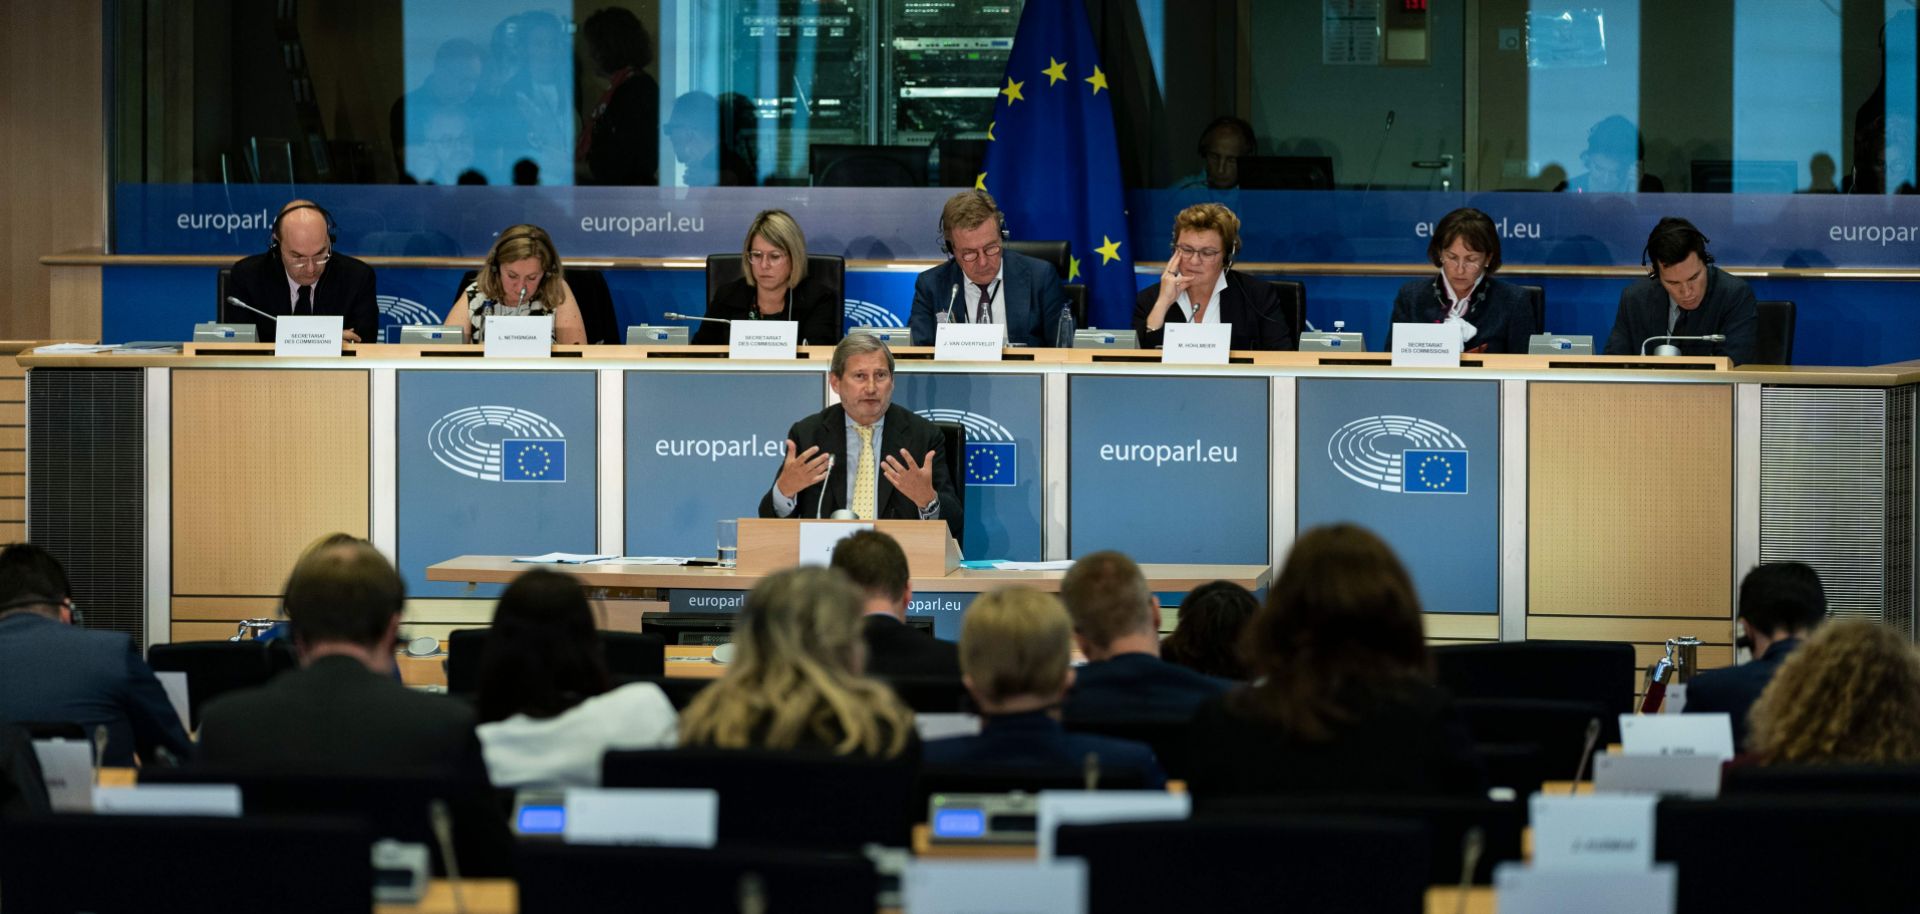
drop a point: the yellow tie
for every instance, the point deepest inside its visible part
(863, 482)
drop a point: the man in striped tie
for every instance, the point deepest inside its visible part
(864, 454)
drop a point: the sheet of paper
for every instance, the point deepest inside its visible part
(310, 335)
(763, 340)
(1196, 344)
(563, 558)
(70, 348)
(175, 682)
(519, 337)
(1426, 345)
(994, 887)
(1058, 565)
(968, 342)
(1595, 831)
(817, 540)
(680, 818)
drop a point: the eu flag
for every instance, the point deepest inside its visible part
(1053, 163)
(990, 463)
(1433, 472)
(533, 460)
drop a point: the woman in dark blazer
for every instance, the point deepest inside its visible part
(775, 286)
(1466, 248)
(1343, 700)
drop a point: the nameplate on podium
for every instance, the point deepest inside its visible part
(519, 337)
(763, 340)
(309, 335)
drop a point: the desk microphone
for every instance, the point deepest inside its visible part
(672, 316)
(1373, 171)
(234, 301)
(951, 295)
(820, 504)
(1586, 751)
(1669, 349)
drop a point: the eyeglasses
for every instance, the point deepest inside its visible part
(768, 257)
(1200, 254)
(989, 252)
(1469, 262)
(317, 260)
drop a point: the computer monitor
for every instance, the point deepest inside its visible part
(1286, 172)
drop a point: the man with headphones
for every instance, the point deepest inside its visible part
(1223, 144)
(52, 670)
(302, 274)
(1684, 294)
(984, 283)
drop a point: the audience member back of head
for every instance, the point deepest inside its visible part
(1207, 638)
(1780, 604)
(1343, 699)
(1116, 622)
(1849, 696)
(877, 565)
(795, 681)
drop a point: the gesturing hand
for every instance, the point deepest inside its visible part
(914, 480)
(802, 470)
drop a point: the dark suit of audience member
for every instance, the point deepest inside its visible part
(1780, 604)
(1501, 313)
(895, 648)
(1037, 740)
(876, 564)
(1733, 690)
(1139, 685)
(1250, 304)
(1027, 300)
(1116, 622)
(812, 305)
(51, 671)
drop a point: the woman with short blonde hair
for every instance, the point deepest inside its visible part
(775, 286)
(1849, 695)
(795, 681)
(521, 277)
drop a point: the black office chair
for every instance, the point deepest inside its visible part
(140, 864)
(931, 694)
(1077, 304)
(555, 878)
(1537, 297)
(954, 435)
(1823, 853)
(590, 292)
(1447, 820)
(23, 786)
(1053, 252)
(838, 165)
(1169, 737)
(1603, 672)
(1773, 335)
(630, 655)
(220, 294)
(1293, 303)
(1003, 779)
(215, 668)
(1775, 780)
(1558, 728)
(1314, 863)
(828, 269)
(784, 799)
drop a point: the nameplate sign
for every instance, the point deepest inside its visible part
(1426, 345)
(169, 800)
(607, 815)
(994, 886)
(66, 766)
(519, 337)
(818, 539)
(1537, 890)
(1593, 832)
(1676, 699)
(1093, 807)
(763, 339)
(308, 335)
(968, 342)
(1710, 735)
(1196, 344)
(1681, 775)
(175, 683)
(937, 725)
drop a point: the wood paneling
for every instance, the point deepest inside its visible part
(201, 631)
(51, 137)
(1461, 626)
(264, 462)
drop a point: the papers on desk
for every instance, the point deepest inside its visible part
(1003, 565)
(650, 560)
(71, 348)
(563, 558)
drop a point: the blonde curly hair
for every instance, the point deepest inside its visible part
(1849, 695)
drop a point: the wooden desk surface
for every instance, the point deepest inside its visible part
(501, 569)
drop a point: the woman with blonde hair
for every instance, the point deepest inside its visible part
(1849, 696)
(795, 679)
(775, 286)
(521, 277)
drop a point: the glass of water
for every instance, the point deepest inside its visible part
(728, 542)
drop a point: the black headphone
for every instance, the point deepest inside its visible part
(273, 235)
(1673, 224)
(946, 244)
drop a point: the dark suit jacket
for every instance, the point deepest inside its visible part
(827, 430)
(813, 307)
(1500, 312)
(346, 289)
(1139, 686)
(1408, 743)
(53, 672)
(895, 648)
(1030, 293)
(338, 717)
(1035, 739)
(626, 137)
(1728, 308)
(1734, 689)
(1248, 303)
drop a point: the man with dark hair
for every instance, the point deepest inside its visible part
(1780, 603)
(342, 712)
(54, 671)
(876, 565)
(1116, 623)
(1685, 295)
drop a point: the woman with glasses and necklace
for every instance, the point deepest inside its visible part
(1200, 286)
(775, 286)
(1494, 316)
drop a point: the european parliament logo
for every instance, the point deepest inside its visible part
(991, 453)
(499, 444)
(871, 314)
(405, 310)
(1430, 459)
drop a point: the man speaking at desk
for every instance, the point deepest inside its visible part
(865, 454)
(302, 274)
